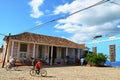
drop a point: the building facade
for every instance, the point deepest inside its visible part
(111, 48)
(53, 49)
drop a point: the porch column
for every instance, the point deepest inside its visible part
(45, 54)
(34, 51)
(60, 49)
(12, 49)
(51, 55)
(66, 51)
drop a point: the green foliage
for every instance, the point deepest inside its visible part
(96, 59)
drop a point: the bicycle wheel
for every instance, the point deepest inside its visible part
(32, 72)
(43, 72)
(16, 68)
(8, 67)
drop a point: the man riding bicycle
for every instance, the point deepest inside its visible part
(38, 66)
(11, 62)
(38, 69)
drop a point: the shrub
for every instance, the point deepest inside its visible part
(96, 59)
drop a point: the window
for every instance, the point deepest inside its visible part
(23, 50)
(23, 47)
(23, 55)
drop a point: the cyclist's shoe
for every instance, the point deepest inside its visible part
(37, 72)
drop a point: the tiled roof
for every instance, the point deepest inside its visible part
(43, 39)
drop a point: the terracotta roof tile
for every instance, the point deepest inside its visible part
(43, 39)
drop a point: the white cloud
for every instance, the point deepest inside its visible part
(105, 40)
(67, 7)
(68, 28)
(35, 4)
(84, 33)
(72, 7)
(38, 22)
(102, 19)
(94, 16)
(118, 26)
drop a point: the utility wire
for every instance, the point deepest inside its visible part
(63, 17)
(1, 40)
(115, 3)
(98, 3)
(2, 34)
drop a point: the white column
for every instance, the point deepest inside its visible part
(60, 49)
(12, 49)
(34, 51)
(45, 51)
(51, 55)
(66, 51)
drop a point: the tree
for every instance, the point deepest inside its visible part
(96, 59)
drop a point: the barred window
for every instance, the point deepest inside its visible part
(23, 47)
(23, 50)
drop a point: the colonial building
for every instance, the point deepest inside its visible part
(54, 49)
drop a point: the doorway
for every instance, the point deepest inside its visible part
(54, 55)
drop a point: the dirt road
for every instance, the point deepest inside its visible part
(64, 73)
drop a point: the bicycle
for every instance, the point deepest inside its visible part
(42, 72)
(10, 66)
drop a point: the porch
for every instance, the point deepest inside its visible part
(50, 54)
(52, 50)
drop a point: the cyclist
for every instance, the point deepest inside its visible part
(11, 62)
(38, 66)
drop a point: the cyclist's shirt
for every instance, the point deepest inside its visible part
(38, 64)
(11, 61)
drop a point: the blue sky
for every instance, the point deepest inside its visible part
(17, 16)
